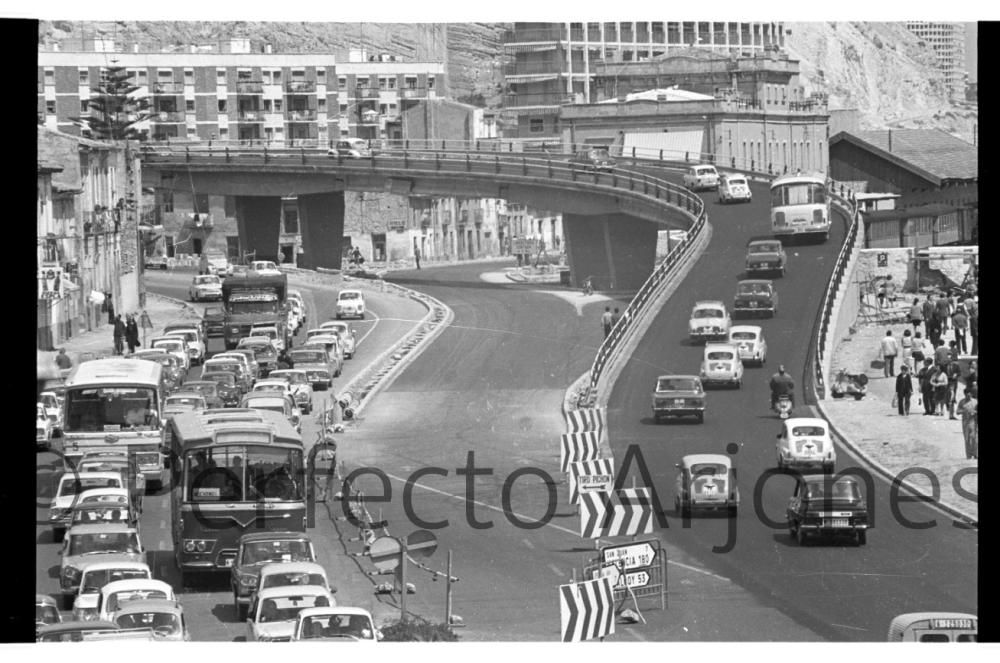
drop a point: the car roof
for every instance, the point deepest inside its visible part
(136, 583)
(228, 359)
(334, 610)
(747, 328)
(292, 567)
(756, 281)
(103, 528)
(292, 590)
(806, 421)
(696, 459)
(94, 492)
(274, 536)
(345, 290)
(762, 240)
(78, 626)
(671, 376)
(269, 380)
(94, 475)
(187, 393)
(164, 338)
(44, 599)
(283, 371)
(150, 605)
(104, 566)
(732, 347)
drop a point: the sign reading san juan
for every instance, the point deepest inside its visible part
(635, 559)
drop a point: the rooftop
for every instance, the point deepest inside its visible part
(929, 152)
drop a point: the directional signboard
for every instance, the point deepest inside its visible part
(632, 555)
(421, 543)
(631, 579)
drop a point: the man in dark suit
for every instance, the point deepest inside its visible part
(904, 390)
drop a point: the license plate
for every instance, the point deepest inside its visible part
(753, 304)
(678, 401)
(836, 522)
(227, 562)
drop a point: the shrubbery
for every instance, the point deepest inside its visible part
(417, 631)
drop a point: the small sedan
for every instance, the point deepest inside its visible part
(85, 544)
(822, 505)
(316, 363)
(701, 177)
(344, 623)
(350, 304)
(273, 612)
(678, 396)
(805, 443)
(706, 482)
(302, 389)
(183, 401)
(176, 346)
(347, 335)
(264, 268)
(734, 187)
(205, 288)
(46, 611)
(721, 365)
(709, 322)
(209, 389)
(259, 549)
(749, 339)
(293, 574)
(43, 428)
(164, 617)
(755, 297)
(274, 403)
(226, 387)
(596, 159)
(765, 256)
(96, 576)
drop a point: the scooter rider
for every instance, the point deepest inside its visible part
(782, 385)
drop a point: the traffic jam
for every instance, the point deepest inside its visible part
(221, 433)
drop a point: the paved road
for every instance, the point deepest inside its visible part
(841, 592)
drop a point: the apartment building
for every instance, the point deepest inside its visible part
(231, 91)
(948, 42)
(550, 64)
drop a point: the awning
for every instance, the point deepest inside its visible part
(674, 144)
(535, 47)
(530, 78)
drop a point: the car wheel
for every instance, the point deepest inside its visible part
(792, 529)
(67, 601)
(58, 533)
(238, 609)
(329, 384)
(781, 463)
(862, 537)
(733, 511)
(828, 468)
(677, 505)
(739, 384)
(800, 536)
(701, 417)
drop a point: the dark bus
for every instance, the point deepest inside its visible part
(235, 471)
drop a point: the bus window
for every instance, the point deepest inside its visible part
(243, 473)
(109, 409)
(934, 637)
(967, 637)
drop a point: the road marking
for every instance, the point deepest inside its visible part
(556, 569)
(853, 628)
(370, 330)
(528, 543)
(552, 525)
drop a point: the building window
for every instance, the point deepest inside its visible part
(220, 76)
(223, 106)
(50, 76)
(321, 105)
(392, 82)
(343, 109)
(276, 76)
(430, 82)
(84, 77)
(266, 76)
(189, 76)
(224, 134)
(383, 83)
(320, 75)
(537, 126)
(189, 105)
(192, 131)
(267, 105)
(50, 106)
(143, 77)
(165, 75)
(84, 105)
(411, 82)
(168, 200)
(277, 105)
(342, 82)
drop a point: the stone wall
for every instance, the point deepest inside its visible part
(899, 263)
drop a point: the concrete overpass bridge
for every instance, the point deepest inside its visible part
(610, 220)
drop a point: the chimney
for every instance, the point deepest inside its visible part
(890, 140)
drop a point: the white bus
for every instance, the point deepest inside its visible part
(115, 404)
(800, 205)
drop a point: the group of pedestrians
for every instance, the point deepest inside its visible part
(939, 313)
(126, 332)
(609, 320)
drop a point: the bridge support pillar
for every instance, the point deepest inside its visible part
(258, 221)
(617, 250)
(321, 220)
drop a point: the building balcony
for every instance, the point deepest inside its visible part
(166, 116)
(550, 34)
(166, 88)
(536, 99)
(251, 116)
(249, 87)
(301, 116)
(300, 87)
(412, 93)
(532, 68)
(366, 92)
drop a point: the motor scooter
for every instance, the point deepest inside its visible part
(849, 384)
(783, 406)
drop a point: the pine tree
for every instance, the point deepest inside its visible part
(113, 114)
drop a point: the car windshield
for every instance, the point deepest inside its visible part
(677, 384)
(245, 473)
(292, 579)
(211, 371)
(76, 485)
(189, 336)
(337, 626)
(208, 390)
(842, 489)
(207, 280)
(280, 550)
(189, 401)
(721, 355)
(112, 513)
(103, 542)
(167, 623)
(104, 498)
(753, 289)
(806, 431)
(93, 581)
(308, 357)
(705, 170)
(269, 332)
(287, 608)
(46, 614)
(111, 409)
(263, 303)
(707, 313)
(765, 247)
(709, 469)
(118, 599)
(168, 344)
(220, 377)
(270, 386)
(736, 181)
(293, 377)
(743, 336)
(349, 295)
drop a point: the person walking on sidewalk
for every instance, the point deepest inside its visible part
(889, 348)
(119, 334)
(904, 390)
(111, 308)
(416, 256)
(974, 330)
(941, 354)
(906, 344)
(972, 379)
(969, 409)
(63, 360)
(942, 312)
(939, 382)
(960, 320)
(954, 374)
(928, 310)
(606, 321)
(916, 315)
(615, 317)
(926, 389)
(919, 350)
(131, 334)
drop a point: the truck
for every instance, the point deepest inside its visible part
(252, 299)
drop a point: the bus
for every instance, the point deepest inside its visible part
(934, 627)
(234, 471)
(800, 205)
(115, 405)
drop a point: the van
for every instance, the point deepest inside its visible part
(934, 627)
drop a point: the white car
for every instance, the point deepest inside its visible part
(193, 337)
(350, 304)
(205, 288)
(273, 612)
(346, 334)
(242, 359)
(293, 574)
(271, 331)
(805, 442)
(302, 389)
(721, 364)
(709, 321)
(751, 343)
(96, 576)
(264, 268)
(734, 186)
(346, 623)
(701, 177)
(53, 406)
(176, 346)
(218, 263)
(335, 351)
(43, 427)
(273, 385)
(165, 618)
(67, 495)
(116, 594)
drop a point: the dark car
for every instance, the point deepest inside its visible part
(765, 256)
(258, 549)
(227, 388)
(593, 158)
(316, 363)
(209, 389)
(755, 297)
(263, 351)
(824, 505)
(678, 396)
(213, 321)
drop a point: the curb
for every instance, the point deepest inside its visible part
(890, 477)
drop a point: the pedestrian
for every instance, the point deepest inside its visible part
(974, 330)
(928, 309)
(607, 321)
(615, 317)
(416, 256)
(63, 360)
(934, 331)
(972, 378)
(919, 350)
(890, 290)
(119, 334)
(960, 321)
(969, 409)
(954, 374)
(939, 382)
(203, 264)
(881, 294)
(942, 312)
(942, 355)
(971, 305)
(906, 343)
(111, 308)
(889, 348)
(904, 390)
(916, 315)
(926, 390)
(132, 334)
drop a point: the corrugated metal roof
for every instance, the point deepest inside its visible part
(930, 150)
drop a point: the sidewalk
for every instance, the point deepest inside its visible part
(874, 429)
(161, 310)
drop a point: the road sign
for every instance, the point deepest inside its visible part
(590, 476)
(625, 512)
(385, 552)
(613, 573)
(576, 447)
(586, 610)
(585, 419)
(633, 555)
(421, 543)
